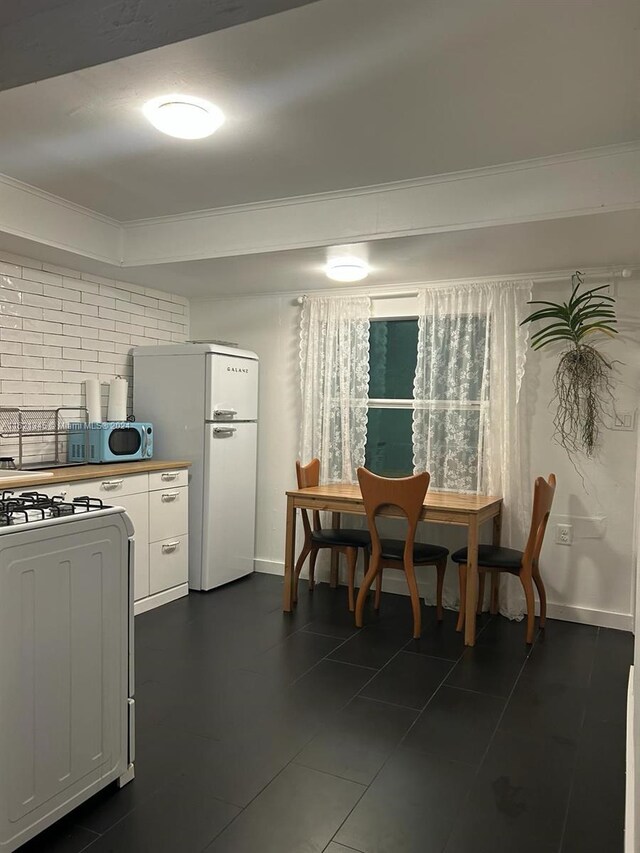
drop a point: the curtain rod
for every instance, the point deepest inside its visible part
(402, 290)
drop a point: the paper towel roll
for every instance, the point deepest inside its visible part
(92, 400)
(117, 408)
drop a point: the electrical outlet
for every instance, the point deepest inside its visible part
(625, 421)
(564, 534)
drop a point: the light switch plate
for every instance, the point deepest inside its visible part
(624, 421)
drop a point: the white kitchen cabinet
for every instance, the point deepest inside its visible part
(137, 507)
(169, 563)
(158, 505)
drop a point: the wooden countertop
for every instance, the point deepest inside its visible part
(73, 473)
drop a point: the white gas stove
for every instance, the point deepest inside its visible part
(66, 657)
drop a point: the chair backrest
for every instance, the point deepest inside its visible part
(404, 493)
(543, 492)
(309, 475)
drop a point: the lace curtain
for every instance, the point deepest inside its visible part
(334, 382)
(469, 428)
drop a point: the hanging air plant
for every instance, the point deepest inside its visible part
(583, 386)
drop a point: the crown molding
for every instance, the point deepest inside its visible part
(558, 186)
(409, 183)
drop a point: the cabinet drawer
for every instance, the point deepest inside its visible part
(168, 513)
(168, 563)
(108, 488)
(173, 478)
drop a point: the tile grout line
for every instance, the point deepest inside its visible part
(575, 766)
(493, 736)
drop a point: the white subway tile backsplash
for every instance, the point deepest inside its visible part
(59, 327)
(20, 360)
(41, 275)
(45, 375)
(8, 294)
(64, 340)
(115, 292)
(43, 326)
(37, 349)
(21, 285)
(42, 301)
(98, 300)
(10, 269)
(96, 279)
(63, 271)
(64, 293)
(20, 335)
(141, 299)
(79, 308)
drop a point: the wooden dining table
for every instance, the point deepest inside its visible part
(470, 511)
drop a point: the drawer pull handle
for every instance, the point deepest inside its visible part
(169, 496)
(111, 484)
(169, 547)
(168, 476)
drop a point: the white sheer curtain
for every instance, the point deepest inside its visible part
(334, 383)
(469, 422)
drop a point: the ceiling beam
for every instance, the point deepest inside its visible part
(586, 182)
(41, 39)
(581, 183)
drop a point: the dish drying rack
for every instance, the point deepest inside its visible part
(24, 422)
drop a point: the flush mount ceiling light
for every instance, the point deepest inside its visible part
(346, 268)
(184, 116)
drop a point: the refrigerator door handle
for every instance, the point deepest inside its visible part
(224, 413)
(224, 431)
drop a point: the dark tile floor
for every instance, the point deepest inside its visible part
(259, 732)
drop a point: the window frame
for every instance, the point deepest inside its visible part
(392, 312)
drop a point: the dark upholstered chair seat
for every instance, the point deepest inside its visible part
(493, 557)
(393, 549)
(344, 537)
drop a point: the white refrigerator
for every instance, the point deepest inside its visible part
(202, 400)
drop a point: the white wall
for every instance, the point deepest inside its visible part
(59, 327)
(588, 581)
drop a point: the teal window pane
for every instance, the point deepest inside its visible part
(393, 348)
(389, 450)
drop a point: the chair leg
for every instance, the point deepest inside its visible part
(312, 568)
(415, 600)
(495, 593)
(462, 574)
(378, 593)
(352, 559)
(481, 583)
(441, 567)
(542, 593)
(306, 550)
(527, 585)
(364, 589)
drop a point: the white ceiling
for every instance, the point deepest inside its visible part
(601, 240)
(337, 94)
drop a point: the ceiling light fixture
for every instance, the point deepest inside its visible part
(347, 268)
(184, 116)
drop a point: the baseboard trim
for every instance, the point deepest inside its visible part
(160, 598)
(601, 618)
(630, 800)
(564, 612)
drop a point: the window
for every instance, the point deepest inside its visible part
(456, 396)
(393, 350)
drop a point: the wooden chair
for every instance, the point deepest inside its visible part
(406, 494)
(524, 564)
(344, 541)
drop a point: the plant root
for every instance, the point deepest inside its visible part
(583, 388)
